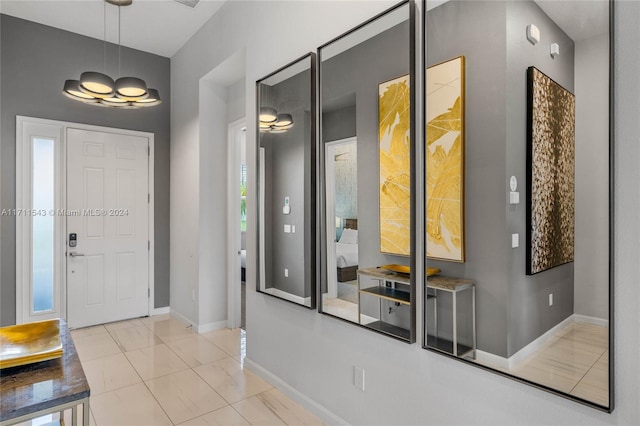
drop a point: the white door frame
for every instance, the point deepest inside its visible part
(330, 193)
(22, 228)
(233, 224)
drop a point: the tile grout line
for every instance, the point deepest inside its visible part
(188, 368)
(122, 351)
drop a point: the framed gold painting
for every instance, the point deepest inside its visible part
(394, 120)
(445, 160)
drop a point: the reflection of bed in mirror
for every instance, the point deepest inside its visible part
(347, 251)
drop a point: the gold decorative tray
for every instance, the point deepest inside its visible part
(28, 343)
(401, 269)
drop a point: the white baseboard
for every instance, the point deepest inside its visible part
(161, 311)
(591, 320)
(203, 328)
(513, 361)
(212, 326)
(182, 318)
(306, 301)
(491, 360)
(325, 415)
(532, 347)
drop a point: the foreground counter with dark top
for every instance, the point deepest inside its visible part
(34, 390)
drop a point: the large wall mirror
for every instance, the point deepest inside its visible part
(366, 159)
(518, 200)
(286, 182)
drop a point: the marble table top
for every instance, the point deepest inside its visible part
(384, 274)
(442, 282)
(31, 388)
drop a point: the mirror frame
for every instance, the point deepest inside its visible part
(321, 226)
(310, 216)
(611, 239)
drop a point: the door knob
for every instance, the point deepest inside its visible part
(74, 254)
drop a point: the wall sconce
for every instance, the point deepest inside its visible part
(554, 50)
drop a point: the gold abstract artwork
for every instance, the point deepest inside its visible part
(550, 173)
(395, 178)
(445, 160)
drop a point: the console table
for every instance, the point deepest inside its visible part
(454, 286)
(34, 390)
(392, 286)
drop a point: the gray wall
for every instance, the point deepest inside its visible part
(592, 181)
(528, 302)
(485, 158)
(287, 173)
(356, 74)
(512, 308)
(339, 123)
(405, 384)
(36, 60)
(359, 71)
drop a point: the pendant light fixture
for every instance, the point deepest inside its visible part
(99, 89)
(270, 120)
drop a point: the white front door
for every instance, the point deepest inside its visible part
(107, 208)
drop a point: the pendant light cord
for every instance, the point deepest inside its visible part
(104, 30)
(119, 42)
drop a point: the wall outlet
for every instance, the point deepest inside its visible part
(358, 378)
(550, 299)
(286, 272)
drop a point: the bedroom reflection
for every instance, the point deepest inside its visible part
(365, 161)
(341, 174)
(538, 254)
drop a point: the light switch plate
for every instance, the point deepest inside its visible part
(293, 229)
(287, 229)
(514, 198)
(515, 240)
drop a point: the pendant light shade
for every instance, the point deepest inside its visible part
(72, 90)
(284, 120)
(131, 88)
(152, 99)
(115, 102)
(96, 84)
(268, 114)
(99, 89)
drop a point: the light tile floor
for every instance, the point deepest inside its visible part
(575, 361)
(157, 371)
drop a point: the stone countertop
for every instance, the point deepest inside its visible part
(384, 274)
(442, 282)
(30, 388)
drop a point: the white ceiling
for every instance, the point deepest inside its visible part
(157, 26)
(164, 26)
(580, 19)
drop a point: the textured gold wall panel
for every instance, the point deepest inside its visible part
(550, 173)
